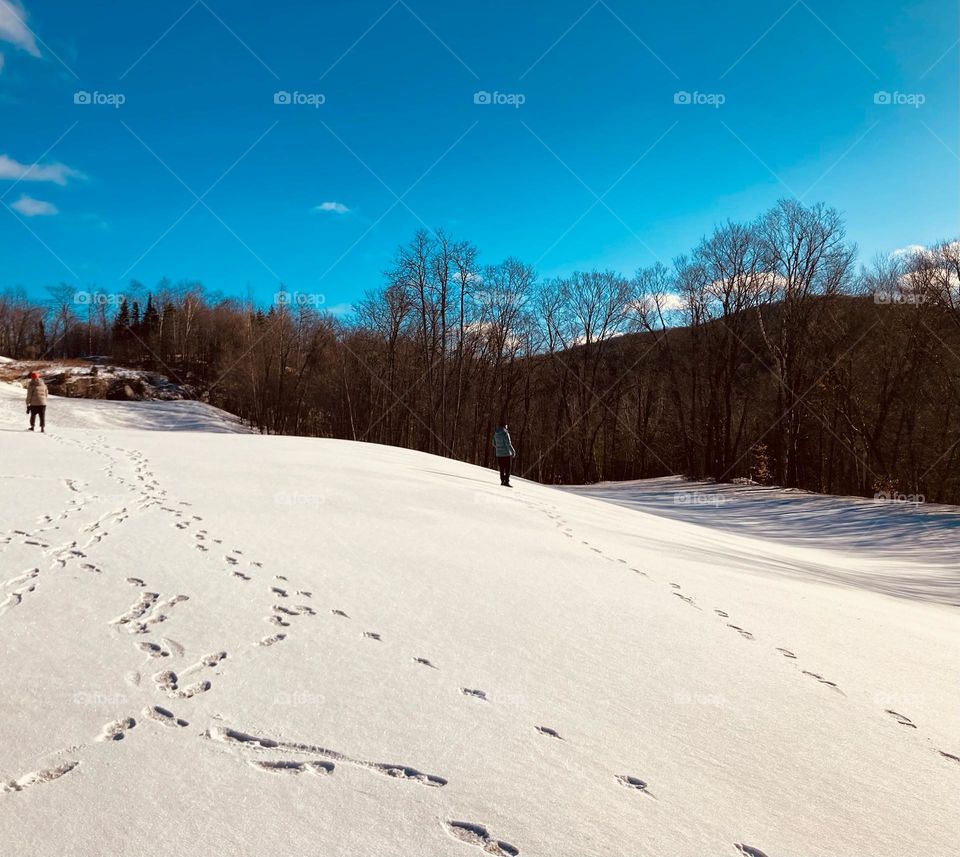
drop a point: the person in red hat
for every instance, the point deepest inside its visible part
(37, 401)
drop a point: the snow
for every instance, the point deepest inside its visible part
(222, 643)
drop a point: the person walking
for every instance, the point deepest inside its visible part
(37, 401)
(505, 452)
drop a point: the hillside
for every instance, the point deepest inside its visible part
(217, 642)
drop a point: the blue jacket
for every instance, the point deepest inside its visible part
(502, 443)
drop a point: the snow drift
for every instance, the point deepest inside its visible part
(221, 643)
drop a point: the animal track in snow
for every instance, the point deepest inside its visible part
(135, 581)
(117, 730)
(164, 717)
(675, 585)
(339, 613)
(633, 783)
(304, 593)
(721, 613)
(276, 590)
(902, 719)
(233, 736)
(477, 834)
(745, 634)
(686, 598)
(370, 635)
(786, 653)
(272, 639)
(241, 575)
(749, 850)
(34, 778)
(820, 679)
(546, 730)
(476, 694)
(424, 662)
(949, 756)
(287, 767)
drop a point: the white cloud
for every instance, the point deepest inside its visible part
(31, 207)
(909, 250)
(56, 173)
(14, 29)
(335, 207)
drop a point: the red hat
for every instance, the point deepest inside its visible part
(34, 375)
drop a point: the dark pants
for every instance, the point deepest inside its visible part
(505, 462)
(40, 410)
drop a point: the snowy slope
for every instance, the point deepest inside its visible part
(217, 643)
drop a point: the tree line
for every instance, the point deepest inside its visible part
(763, 353)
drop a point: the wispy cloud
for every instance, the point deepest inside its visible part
(14, 29)
(56, 173)
(31, 207)
(335, 207)
(340, 309)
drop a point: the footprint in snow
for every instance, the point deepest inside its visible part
(424, 662)
(477, 834)
(273, 639)
(721, 613)
(117, 730)
(339, 613)
(786, 653)
(164, 717)
(370, 635)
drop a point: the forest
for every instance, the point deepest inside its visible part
(766, 353)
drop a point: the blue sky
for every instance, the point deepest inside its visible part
(598, 167)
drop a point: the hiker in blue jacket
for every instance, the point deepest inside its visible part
(503, 447)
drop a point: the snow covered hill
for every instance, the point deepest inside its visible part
(217, 643)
